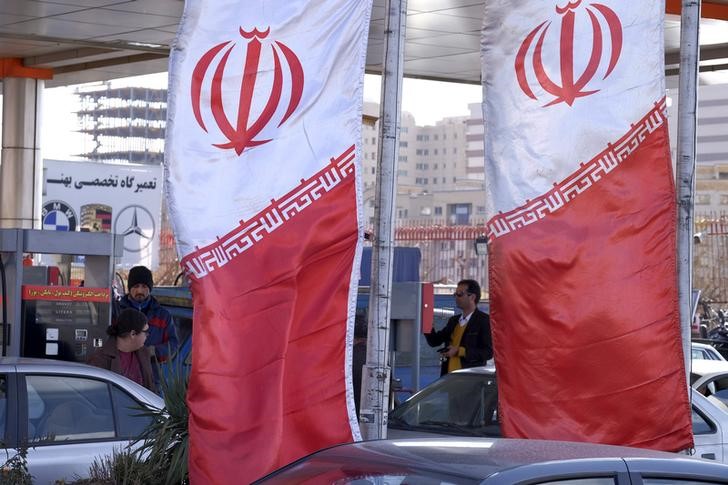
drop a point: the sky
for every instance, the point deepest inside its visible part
(427, 101)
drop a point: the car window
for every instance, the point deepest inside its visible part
(62, 408)
(453, 404)
(132, 416)
(701, 425)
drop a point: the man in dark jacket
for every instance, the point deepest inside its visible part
(467, 335)
(162, 333)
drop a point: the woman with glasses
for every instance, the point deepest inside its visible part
(124, 352)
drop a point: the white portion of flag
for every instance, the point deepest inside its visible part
(212, 189)
(531, 146)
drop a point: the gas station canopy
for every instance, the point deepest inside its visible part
(94, 40)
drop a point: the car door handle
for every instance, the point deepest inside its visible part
(709, 456)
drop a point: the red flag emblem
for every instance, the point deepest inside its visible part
(572, 85)
(242, 133)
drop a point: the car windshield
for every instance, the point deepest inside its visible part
(461, 404)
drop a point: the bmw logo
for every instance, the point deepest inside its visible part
(58, 216)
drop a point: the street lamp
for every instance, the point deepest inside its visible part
(481, 245)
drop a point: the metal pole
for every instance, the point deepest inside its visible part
(376, 373)
(686, 141)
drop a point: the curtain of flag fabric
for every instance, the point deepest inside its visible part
(582, 223)
(263, 156)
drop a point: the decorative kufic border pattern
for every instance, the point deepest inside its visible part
(216, 255)
(585, 177)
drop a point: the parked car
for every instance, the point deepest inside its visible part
(495, 461)
(702, 367)
(714, 384)
(705, 352)
(68, 414)
(465, 403)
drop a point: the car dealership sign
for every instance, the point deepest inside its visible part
(123, 199)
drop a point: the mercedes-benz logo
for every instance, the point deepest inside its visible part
(136, 224)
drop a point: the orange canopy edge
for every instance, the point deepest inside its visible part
(708, 10)
(13, 67)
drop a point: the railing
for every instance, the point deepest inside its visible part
(710, 256)
(448, 251)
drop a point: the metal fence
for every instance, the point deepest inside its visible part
(448, 252)
(710, 256)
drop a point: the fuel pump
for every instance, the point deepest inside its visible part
(58, 311)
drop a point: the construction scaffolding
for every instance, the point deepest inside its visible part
(126, 125)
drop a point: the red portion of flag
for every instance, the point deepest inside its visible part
(585, 322)
(278, 341)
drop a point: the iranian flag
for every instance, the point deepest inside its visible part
(262, 165)
(582, 223)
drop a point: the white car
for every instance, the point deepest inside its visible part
(705, 352)
(68, 414)
(465, 403)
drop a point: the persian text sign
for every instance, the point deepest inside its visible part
(123, 199)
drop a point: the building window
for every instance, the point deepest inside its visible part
(434, 180)
(403, 143)
(702, 199)
(443, 180)
(723, 199)
(444, 151)
(481, 209)
(426, 151)
(459, 213)
(435, 152)
(435, 136)
(434, 166)
(373, 169)
(438, 211)
(418, 151)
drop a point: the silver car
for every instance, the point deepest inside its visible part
(493, 461)
(68, 414)
(465, 403)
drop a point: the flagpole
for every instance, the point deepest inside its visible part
(686, 146)
(376, 373)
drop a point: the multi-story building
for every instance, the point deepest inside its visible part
(711, 178)
(434, 183)
(125, 125)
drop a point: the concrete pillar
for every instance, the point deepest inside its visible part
(21, 165)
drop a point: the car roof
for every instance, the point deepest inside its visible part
(477, 458)
(700, 345)
(30, 361)
(61, 367)
(483, 369)
(703, 367)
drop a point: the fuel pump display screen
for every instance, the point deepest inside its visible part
(65, 323)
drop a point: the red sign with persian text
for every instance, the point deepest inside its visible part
(66, 293)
